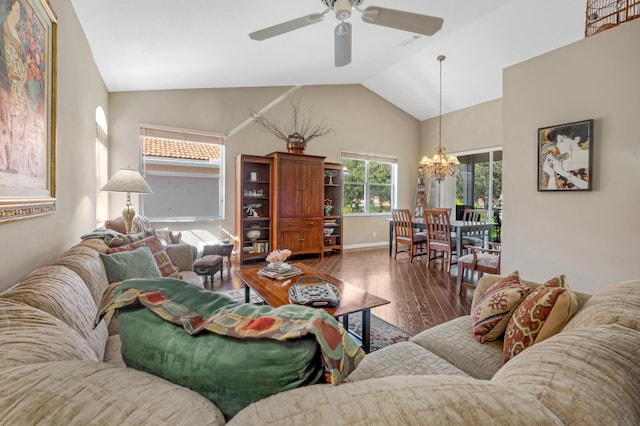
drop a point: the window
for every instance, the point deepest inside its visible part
(102, 197)
(185, 170)
(369, 183)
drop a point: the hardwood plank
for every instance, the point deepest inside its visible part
(420, 298)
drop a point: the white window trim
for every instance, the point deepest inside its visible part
(186, 135)
(380, 158)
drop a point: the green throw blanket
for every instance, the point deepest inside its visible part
(232, 353)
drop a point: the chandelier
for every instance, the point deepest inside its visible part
(440, 165)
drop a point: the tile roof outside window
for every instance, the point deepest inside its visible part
(169, 148)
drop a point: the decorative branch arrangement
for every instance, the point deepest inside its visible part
(298, 133)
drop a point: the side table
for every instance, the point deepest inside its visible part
(224, 250)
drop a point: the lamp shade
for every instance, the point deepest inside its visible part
(127, 180)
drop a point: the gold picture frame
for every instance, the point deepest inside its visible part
(27, 109)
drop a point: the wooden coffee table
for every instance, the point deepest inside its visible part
(352, 298)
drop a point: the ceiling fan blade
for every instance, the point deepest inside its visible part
(285, 27)
(342, 41)
(406, 21)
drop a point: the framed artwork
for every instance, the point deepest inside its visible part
(27, 109)
(565, 157)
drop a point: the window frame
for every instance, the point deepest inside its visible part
(491, 153)
(369, 158)
(186, 136)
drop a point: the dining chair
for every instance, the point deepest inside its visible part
(475, 215)
(476, 239)
(440, 243)
(480, 260)
(405, 234)
(444, 209)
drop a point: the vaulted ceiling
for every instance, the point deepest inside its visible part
(172, 44)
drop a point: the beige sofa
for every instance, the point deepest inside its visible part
(56, 369)
(587, 374)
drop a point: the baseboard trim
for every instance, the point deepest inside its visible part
(365, 245)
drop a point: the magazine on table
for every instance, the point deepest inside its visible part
(280, 273)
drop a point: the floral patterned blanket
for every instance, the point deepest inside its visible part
(200, 311)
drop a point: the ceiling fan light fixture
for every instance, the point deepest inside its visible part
(342, 8)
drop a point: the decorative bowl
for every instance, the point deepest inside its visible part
(253, 234)
(328, 231)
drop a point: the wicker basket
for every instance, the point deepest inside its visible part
(604, 14)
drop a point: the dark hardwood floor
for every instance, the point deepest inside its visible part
(420, 298)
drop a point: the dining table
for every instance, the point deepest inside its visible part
(458, 227)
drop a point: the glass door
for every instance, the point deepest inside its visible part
(479, 186)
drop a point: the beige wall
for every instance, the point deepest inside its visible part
(364, 122)
(591, 237)
(30, 243)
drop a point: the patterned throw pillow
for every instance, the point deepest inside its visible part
(140, 224)
(167, 269)
(138, 263)
(491, 314)
(543, 313)
(164, 235)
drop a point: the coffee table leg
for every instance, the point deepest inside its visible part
(366, 330)
(247, 294)
(365, 338)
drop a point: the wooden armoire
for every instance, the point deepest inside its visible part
(298, 202)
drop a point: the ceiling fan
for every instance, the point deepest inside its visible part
(401, 20)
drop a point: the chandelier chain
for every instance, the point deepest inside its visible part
(440, 58)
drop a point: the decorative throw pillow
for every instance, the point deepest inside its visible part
(543, 313)
(164, 235)
(140, 224)
(116, 224)
(138, 263)
(491, 314)
(167, 269)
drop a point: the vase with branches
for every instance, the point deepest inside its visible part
(298, 132)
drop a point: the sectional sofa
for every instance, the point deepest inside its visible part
(56, 369)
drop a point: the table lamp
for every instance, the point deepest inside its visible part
(127, 180)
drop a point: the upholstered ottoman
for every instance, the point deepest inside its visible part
(208, 265)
